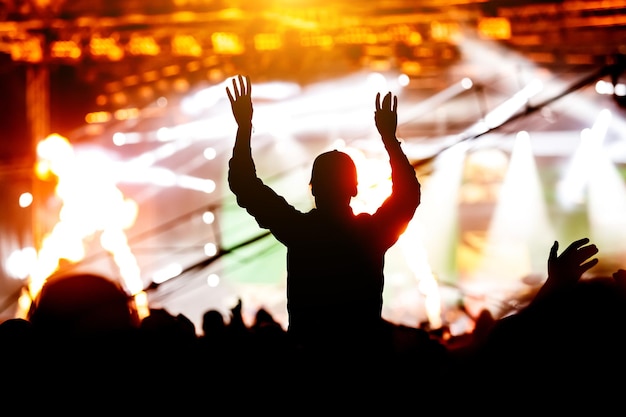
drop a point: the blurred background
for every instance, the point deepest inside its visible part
(116, 134)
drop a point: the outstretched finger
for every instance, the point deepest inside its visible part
(387, 101)
(554, 249)
(242, 85)
(235, 88)
(395, 104)
(588, 251)
(576, 245)
(377, 102)
(248, 86)
(588, 265)
(230, 95)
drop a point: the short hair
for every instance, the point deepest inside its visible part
(331, 167)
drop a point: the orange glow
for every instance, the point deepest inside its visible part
(143, 45)
(267, 42)
(65, 49)
(106, 47)
(186, 45)
(91, 205)
(29, 50)
(444, 31)
(98, 117)
(227, 43)
(494, 28)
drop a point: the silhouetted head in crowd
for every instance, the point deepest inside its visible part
(16, 334)
(81, 305)
(333, 179)
(213, 323)
(263, 319)
(161, 326)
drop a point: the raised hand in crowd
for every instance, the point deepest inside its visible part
(568, 267)
(241, 101)
(386, 116)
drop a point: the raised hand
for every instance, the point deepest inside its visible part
(241, 101)
(568, 267)
(386, 116)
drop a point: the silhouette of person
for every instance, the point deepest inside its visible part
(335, 259)
(560, 339)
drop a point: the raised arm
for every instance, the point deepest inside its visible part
(386, 117)
(268, 208)
(398, 209)
(242, 177)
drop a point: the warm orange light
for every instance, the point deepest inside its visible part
(267, 42)
(65, 49)
(444, 31)
(494, 28)
(186, 45)
(227, 43)
(143, 45)
(91, 205)
(98, 117)
(29, 50)
(106, 47)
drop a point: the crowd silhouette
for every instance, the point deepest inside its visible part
(83, 347)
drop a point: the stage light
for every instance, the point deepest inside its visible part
(25, 199)
(208, 217)
(68, 49)
(168, 272)
(143, 45)
(507, 109)
(213, 280)
(435, 226)
(438, 215)
(209, 153)
(604, 87)
(520, 232)
(606, 193)
(121, 139)
(186, 45)
(210, 249)
(18, 263)
(194, 183)
(573, 185)
(106, 47)
(377, 82)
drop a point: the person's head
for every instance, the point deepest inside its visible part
(82, 304)
(213, 322)
(333, 179)
(161, 326)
